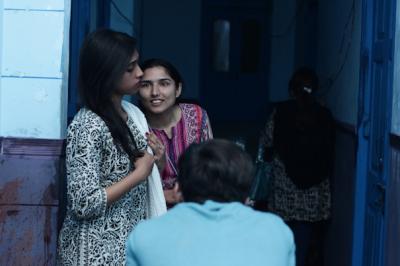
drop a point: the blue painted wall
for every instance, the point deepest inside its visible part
(393, 192)
(34, 59)
(122, 18)
(340, 34)
(118, 22)
(34, 56)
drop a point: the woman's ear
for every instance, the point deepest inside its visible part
(178, 90)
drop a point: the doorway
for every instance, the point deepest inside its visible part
(235, 59)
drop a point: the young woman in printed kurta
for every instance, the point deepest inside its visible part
(106, 158)
(174, 126)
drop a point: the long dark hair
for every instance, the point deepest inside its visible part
(104, 57)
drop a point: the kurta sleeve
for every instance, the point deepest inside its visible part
(206, 131)
(83, 158)
(268, 131)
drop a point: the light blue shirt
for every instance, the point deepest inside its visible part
(212, 234)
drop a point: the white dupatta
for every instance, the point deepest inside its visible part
(156, 205)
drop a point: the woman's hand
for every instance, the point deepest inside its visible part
(144, 165)
(158, 149)
(173, 196)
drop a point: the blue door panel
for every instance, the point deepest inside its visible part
(375, 116)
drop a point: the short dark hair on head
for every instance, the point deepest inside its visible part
(169, 68)
(218, 170)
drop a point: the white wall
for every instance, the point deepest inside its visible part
(342, 96)
(34, 60)
(171, 30)
(396, 78)
(282, 49)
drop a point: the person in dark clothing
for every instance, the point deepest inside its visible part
(299, 142)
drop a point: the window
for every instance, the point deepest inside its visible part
(221, 39)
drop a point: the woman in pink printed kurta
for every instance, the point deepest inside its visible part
(174, 126)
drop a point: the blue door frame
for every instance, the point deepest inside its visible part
(374, 121)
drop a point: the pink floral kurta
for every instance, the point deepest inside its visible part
(193, 127)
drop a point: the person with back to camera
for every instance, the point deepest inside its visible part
(299, 143)
(109, 171)
(212, 226)
(173, 126)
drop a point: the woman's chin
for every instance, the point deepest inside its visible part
(156, 110)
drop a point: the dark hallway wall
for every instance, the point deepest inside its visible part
(393, 207)
(283, 48)
(339, 49)
(338, 64)
(171, 30)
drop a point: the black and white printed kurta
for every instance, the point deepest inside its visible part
(288, 201)
(94, 233)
